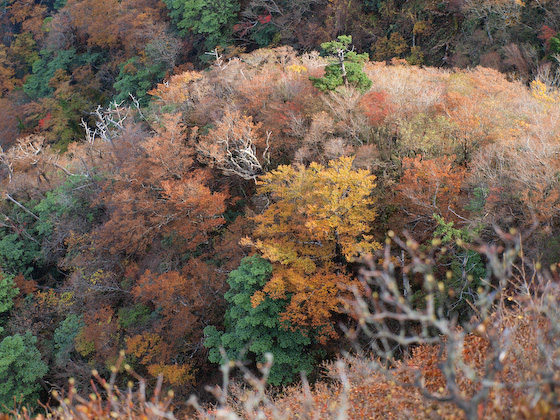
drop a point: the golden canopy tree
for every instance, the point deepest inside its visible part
(318, 219)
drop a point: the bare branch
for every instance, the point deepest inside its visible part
(21, 206)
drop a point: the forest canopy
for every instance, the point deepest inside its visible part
(189, 183)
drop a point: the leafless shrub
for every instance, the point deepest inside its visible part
(521, 58)
(545, 73)
(107, 402)
(412, 90)
(396, 323)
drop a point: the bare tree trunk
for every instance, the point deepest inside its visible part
(21, 206)
(342, 67)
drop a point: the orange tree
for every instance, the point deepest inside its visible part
(318, 220)
(428, 187)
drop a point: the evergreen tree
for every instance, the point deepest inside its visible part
(64, 337)
(346, 70)
(20, 361)
(211, 18)
(37, 85)
(20, 368)
(8, 292)
(254, 331)
(136, 77)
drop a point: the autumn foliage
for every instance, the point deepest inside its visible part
(431, 186)
(318, 219)
(125, 224)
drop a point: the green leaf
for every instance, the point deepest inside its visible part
(64, 337)
(352, 61)
(211, 18)
(20, 368)
(255, 331)
(8, 291)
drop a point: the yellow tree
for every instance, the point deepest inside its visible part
(318, 220)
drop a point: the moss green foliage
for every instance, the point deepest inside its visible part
(466, 266)
(37, 85)
(251, 332)
(212, 19)
(24, 51)
(18, 254)
(8, 291)
(372, 5)
(136, 77)
(65, 336)
(20, 250)
(346, 70)
(20, 368)
(27, 244)
(555, 44)
(264, 35)
(136, 315)
(59, 4)
(68, 202)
